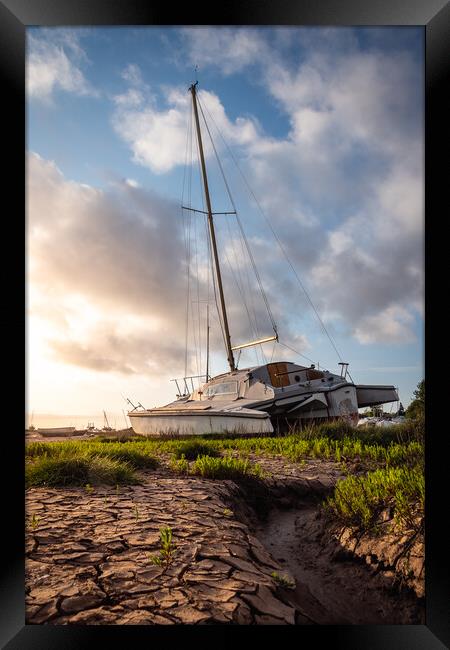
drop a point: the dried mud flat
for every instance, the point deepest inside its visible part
(88, 555)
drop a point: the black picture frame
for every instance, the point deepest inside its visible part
(15, 16)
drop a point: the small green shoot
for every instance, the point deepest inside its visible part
(89, 489)
(167, 550)
(227, 512)
(283, 581)
(33, 522)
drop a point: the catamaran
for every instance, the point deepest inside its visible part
(258, 399)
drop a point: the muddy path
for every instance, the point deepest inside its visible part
(88, 555)
(333, 586)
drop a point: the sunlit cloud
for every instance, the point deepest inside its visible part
(54, 63)
(342, 186)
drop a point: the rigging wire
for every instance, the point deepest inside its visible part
(187, 233)
(297, 352)
(197, 343)
(276, 236)
(240, 224)
(238, 279)
(241, 294)
(209, 247)
(199, 357)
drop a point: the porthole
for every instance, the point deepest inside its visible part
(297, 378)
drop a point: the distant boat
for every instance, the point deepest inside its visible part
(56, 431)
(32, 427)
(254, 400)
(106, 426)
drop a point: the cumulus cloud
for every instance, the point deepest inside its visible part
(230, 49)
(54, 60)
(108, 274)
(349, 175)
(157, 137)
(343, 189)
(353, 163)
(392, 325)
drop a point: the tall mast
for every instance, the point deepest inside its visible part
(207, 342)
(212, 233)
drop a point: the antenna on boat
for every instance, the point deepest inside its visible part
(212, 233)
(344, 369)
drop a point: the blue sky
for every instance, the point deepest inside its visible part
(327, 126)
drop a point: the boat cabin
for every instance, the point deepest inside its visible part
(261, 382)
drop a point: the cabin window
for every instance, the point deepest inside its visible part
(302, 376)
(227, 388)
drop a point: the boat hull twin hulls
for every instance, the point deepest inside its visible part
(260, 399)
(200, 421)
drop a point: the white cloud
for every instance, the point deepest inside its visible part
(348, 175)
(132, 74)
(107, 272)
(53, 63)
(392, 325)
(230, 49)
(157, 137)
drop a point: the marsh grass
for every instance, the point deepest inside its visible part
(137, 455)
(358, 501)
(192, 449)
(78, 471)
(225, 468)
(368, 447)
(141, 455)
(181, 465)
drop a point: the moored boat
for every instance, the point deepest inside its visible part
(261, 398)
(48, 432)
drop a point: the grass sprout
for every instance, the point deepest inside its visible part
(167, 550)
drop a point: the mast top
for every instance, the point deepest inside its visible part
(192, 86)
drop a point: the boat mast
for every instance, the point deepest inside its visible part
(230, 356)
(207, 342)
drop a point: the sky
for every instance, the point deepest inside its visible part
(320, 136)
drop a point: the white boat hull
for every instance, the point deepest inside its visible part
(168, 423)
(56, 431)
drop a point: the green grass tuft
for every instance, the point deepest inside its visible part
(359, 500)
(137, 454)
(181, 465)
(74, 471)
(226, 468)
(192, 449)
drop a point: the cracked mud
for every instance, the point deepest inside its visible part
(88, 554)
